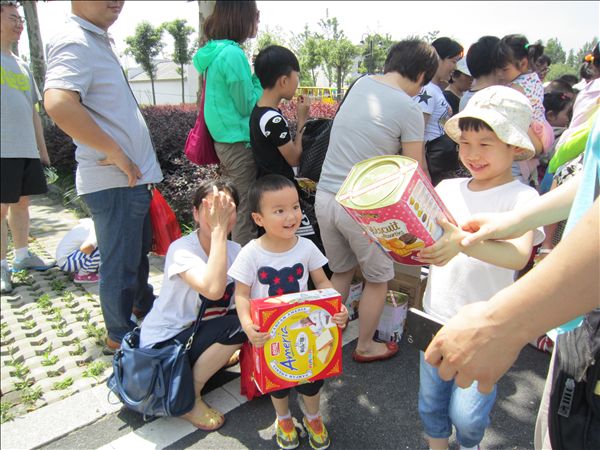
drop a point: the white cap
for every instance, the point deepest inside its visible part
(461, 66)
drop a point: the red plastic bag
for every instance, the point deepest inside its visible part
(199, 145)
(165, 228)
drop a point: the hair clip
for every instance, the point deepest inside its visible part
(526, 46)
(589, 58)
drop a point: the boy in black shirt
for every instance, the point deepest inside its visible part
(278, 69)
(274, 151)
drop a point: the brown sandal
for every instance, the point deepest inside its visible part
(204, 417)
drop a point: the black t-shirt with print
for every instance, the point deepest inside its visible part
(269, 131)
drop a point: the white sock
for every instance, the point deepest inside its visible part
(21, 253)
(286, 416)
(4, 263)
(462, 447)
(311, 417)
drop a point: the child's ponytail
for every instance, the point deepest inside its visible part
(534, 52)
(513, 48)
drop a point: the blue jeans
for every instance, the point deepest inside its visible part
(124, 232)
(443, 404)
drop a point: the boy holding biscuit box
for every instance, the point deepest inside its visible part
(277, 265)
(492, 133)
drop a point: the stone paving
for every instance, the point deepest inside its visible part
(52, 331)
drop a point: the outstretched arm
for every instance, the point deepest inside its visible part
(483, 340)
(549, 208)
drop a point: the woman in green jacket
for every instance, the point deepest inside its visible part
(231, 93)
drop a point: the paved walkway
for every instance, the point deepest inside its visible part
(370, 406)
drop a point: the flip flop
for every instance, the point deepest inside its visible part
(392, 349)
(211, 420)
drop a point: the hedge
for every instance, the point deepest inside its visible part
(169, 126)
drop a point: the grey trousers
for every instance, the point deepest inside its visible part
(237, 163)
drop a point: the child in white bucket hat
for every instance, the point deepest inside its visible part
(491, 132)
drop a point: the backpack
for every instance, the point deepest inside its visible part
(574, 411)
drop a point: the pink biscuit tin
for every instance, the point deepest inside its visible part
(395, 203)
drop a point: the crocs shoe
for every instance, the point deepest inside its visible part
(86, 278)
(33, 262)
(286, 434)
(318, 438)
(6, 281)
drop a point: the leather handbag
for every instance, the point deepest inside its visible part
(442, 156)
(315, 142)
(155, 381)
(199, 145)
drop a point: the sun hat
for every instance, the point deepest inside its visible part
(506, 111)
(461, 66)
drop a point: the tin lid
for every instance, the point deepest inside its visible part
(373, 181)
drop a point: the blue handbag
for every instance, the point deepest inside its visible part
(155, 381)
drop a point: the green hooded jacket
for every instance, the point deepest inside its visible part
(231, 90)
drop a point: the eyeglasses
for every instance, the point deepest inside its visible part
(17, 19)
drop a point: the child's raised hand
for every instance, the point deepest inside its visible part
(218, 209)
(341, 318)
(303, 107)
(446, 248)
(255, 337)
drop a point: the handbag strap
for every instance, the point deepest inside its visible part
(347, 92)
(201, 312)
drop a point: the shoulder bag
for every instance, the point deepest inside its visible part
(155, 381)
(199, 145)
(315, 141)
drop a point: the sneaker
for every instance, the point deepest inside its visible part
(86, 277)
(32, 261)
(286, 434)
(545, 344)
(318, 438)
(6, 281)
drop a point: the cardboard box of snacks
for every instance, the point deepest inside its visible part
(305, 345)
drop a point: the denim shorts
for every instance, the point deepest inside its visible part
(442, 405)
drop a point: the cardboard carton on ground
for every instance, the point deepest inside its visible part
(305, 344)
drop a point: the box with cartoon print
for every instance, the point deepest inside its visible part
(395, 203)
(305, 345)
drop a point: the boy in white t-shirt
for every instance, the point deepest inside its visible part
(277, 263)
(491, 132)
(77, 252)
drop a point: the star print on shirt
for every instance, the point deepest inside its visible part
(424, 97)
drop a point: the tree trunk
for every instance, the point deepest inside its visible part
(339, 81)
(36, 46)
(182, 86)
(205, 9)
(36, 53)
(153, 93)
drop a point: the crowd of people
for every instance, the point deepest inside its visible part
(482, 127)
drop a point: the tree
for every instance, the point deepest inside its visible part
(374, 52)
(306, 45)
(182, 54)
(145, 45)
(337, 51)
(36, 46)
(554, 50)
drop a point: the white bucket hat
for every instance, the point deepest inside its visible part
(461, 66)
(506, 111)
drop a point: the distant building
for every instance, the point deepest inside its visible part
(167, 85)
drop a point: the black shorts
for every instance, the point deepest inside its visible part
(225, 330)
(307, 389)
(21, 177)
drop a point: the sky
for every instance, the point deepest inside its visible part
(572, 22)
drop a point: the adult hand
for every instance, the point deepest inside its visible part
(45, 160)
(126, 165)
(446, 248)
(471, 347)
(218, 209)
(505, 225)
(255, 337)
